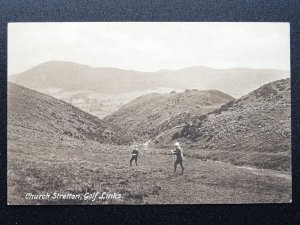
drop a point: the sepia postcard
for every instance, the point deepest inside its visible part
(148, 113)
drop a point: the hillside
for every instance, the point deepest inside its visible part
(35, 116)
(54, 147)
(259, 122)
(68, 76)
(151, 114)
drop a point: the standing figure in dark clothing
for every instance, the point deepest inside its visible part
(179, 157)
(134, 155)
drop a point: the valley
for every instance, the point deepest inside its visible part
(102, 91)
(236, 150)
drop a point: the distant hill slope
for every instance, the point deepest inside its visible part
(151, 114)
(69, 76)
(30, 112)
(259, 121)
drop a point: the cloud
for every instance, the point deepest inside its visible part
(150, 46)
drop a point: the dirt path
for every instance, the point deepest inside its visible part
(265, 172)
(216, 182)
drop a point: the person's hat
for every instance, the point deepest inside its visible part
(176, 144)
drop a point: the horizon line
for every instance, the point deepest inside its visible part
(155, 71)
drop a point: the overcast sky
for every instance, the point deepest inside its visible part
(150, 46)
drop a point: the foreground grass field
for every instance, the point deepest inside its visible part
(88, 167)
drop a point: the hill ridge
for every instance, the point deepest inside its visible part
(74, 76)
(150, 114)
(36, 111)
(267, 101)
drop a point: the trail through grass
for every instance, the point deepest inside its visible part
(105, 168)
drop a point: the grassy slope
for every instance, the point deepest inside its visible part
(151, 114)
(253, 130)
(53, 167)
(35, 112)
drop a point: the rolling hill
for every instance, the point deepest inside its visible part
(54, 147)
(259, 122)
(102, 91)
(36, 117)
(68, 76)
(151, 114)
